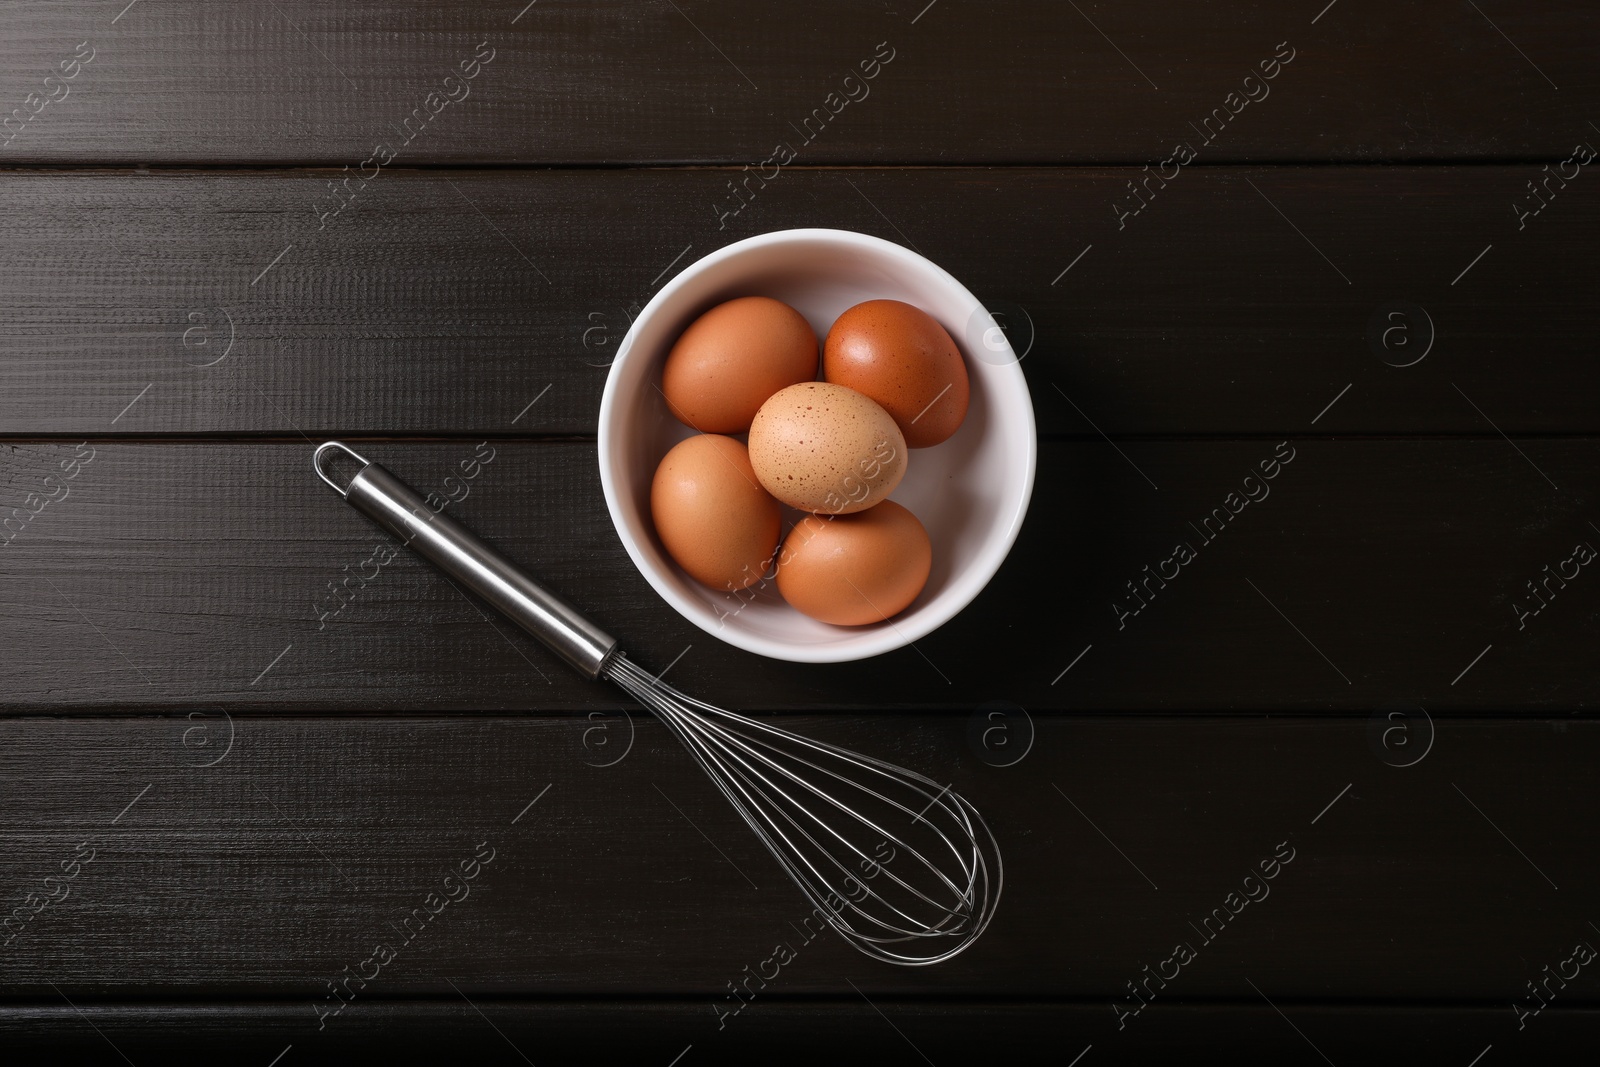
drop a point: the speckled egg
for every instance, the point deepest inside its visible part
(824, 448)
(732, 358)
(712, 515)
(900, 356)
(852, 570)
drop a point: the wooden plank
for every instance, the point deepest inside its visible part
(715, 81)
(1369, 571)
(515, 1032)
(445, 304)
(306, 844)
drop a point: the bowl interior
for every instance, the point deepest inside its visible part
(970, 492)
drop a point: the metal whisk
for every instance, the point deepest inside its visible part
(904, 869)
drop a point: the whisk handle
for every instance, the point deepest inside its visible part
(459, 552)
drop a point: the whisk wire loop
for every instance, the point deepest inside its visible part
(818, 809)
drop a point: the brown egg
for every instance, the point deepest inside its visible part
(732, 358)
(825, 448)
(851, 570)
(901, 357)
(712, 515)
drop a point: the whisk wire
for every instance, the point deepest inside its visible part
(769, 827)
(731, 744)
(756, 765)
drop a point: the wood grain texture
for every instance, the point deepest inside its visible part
(1372, 571)
(886, 1029)
(604, 82)
(310, 840)
(440, 303)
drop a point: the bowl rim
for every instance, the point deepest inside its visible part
(885, 637)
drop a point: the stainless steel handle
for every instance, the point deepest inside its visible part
(459, 553)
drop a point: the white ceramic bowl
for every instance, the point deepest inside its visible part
(971, 492)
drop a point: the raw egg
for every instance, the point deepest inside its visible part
(732, 358)
(851, 570)
(821, 447)
(900, 356)
(711, 513)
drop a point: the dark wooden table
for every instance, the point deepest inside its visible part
(1360, 234)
